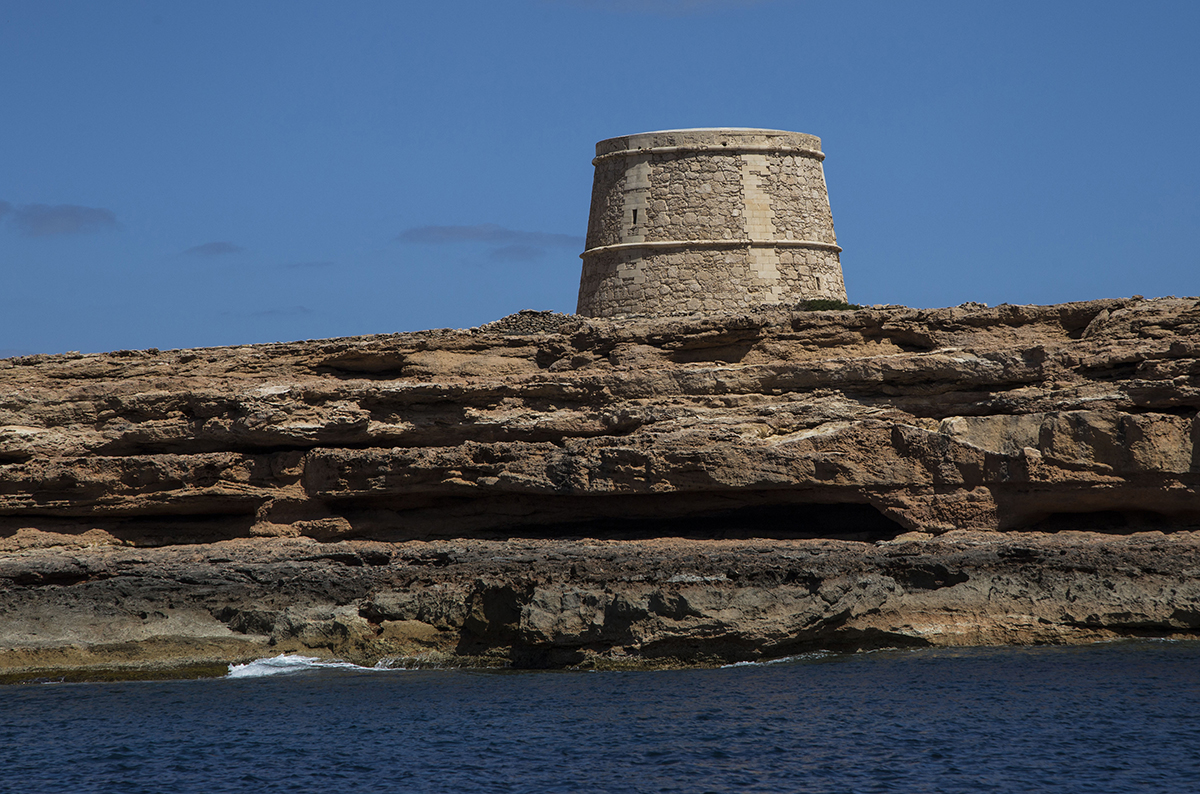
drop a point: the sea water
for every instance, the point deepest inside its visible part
(1106, 718)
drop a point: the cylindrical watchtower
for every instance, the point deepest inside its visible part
(708, 220)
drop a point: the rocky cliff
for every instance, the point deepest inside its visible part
(552, 490)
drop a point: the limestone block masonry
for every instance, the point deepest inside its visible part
(708, 220)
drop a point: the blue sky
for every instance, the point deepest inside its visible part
(185, 174)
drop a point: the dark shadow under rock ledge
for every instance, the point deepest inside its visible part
(753, 485)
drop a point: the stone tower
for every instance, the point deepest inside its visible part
(708, 220)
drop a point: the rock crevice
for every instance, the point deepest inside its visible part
(833, 427)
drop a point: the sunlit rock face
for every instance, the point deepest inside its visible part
(752, 482)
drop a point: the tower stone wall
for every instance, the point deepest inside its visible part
(708, 220)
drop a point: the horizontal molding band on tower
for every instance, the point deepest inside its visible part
(731, 149)
(715, 244)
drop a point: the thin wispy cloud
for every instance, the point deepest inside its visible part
(518, 253)
(485, 233)
(286, 311)
(52, 220)
(219, 248)
(510, 245)
(309, 265)
(283, 311)
(663, 7)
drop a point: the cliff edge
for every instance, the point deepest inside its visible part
(557, 490)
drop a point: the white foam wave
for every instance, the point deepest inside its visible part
(287, 664)
(800, 657)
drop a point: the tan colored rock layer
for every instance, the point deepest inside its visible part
(777, 424)
(969, 418)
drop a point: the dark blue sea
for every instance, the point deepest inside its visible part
(1106, 718)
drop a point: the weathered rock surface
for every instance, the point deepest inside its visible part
(745, 479)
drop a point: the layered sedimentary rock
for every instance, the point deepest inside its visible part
(562, 490)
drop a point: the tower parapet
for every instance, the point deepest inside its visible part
(708, 220)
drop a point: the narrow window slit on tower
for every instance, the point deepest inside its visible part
(635, 216)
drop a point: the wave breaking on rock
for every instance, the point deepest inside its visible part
(551, 490)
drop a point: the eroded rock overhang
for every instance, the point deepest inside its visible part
(771, 423)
